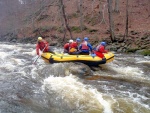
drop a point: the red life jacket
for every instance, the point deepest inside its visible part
(74, 45)
(41, 45)
(101, 49)
(84, 46)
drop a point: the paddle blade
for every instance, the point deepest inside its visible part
(93, 55)
(35, 59)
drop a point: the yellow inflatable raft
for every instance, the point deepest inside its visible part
(89, 60)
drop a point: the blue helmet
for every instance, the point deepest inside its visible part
(86, 38)
(103, 43)
(78, 40)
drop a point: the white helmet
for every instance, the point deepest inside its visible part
(70, 41)
(39, 38)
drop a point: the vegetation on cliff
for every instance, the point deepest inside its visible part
(125, 25)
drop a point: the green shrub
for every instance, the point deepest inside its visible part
(76, 29)
(42, 17)
(60, 29)
(92, 30)
(42, 29)
(45, 28)
(145, 52)
(74, 15)
(132, 50)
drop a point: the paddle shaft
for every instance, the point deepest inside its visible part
(38, 56)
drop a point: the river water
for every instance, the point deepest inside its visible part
(122, 86)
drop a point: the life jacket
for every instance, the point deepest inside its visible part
(73, 47)
(84, 45)
(101, 48)
(42, 45)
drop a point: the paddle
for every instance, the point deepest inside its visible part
(93, 54)
(38, 56)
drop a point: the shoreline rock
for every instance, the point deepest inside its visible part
(139, 45)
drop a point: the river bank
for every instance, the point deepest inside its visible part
(134, 43)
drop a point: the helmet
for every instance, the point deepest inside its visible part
(39, 38)
(86, 38)
(103, 43)
(70, 41)
(78, 39)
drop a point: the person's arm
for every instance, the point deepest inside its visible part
(46, 44)
(66, 46)
(105, 51)
(80, 46)
(37, 49)
(89, 45)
